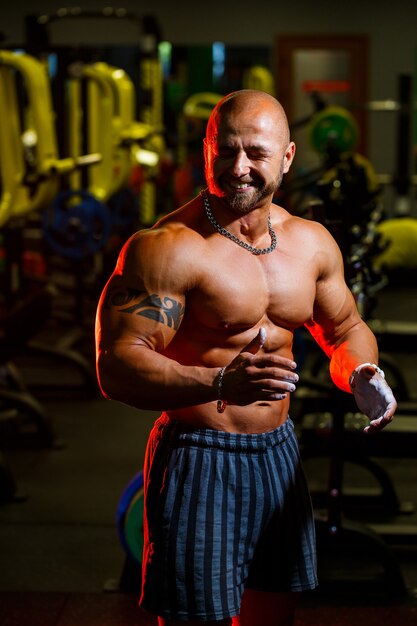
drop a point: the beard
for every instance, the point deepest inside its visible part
(243, 203)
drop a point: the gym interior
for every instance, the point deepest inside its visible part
(102, 114)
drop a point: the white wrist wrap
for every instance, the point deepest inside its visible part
(358, 369)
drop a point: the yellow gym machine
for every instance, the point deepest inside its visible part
(30, 176)
(29, 163)
(111, 130)
(105, 180)
(30, 166)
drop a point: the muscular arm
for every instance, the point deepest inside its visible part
(348, 341)
(139, 312)
(336, 324)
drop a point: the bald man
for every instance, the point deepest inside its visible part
(198, 321)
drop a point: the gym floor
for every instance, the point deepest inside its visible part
(61, 558)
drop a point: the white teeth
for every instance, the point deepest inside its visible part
(241, 185)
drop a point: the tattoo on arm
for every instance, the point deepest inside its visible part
(164, 310)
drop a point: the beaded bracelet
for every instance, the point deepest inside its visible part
(358, 369)
(221, 404)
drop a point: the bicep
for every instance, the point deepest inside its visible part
(143, 302)
(139, 316)
(334, 311)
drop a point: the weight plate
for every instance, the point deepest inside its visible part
(334, 127)
(76, 225)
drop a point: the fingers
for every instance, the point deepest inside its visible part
(257, 343)
(378, 424)
(254, 375)
(272, 379)
(267, 361)
(245, 383)
(271, 385)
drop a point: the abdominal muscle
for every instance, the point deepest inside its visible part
(258, 417)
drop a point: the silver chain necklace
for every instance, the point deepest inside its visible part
(229, 235)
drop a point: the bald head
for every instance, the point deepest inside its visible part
(255, 103)
(247, 146)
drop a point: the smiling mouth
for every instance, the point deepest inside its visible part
(240, 185)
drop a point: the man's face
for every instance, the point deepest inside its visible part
(246, 157)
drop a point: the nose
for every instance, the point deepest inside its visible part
(241, 164)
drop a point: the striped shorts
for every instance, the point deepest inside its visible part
(223, 512)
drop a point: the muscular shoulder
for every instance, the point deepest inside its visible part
(310, 240)
(163, 253)
(302, 227)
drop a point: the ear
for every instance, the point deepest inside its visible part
(289, 156)
(205, 148)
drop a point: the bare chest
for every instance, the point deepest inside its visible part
(239, 291)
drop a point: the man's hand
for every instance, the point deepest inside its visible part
(374, 398)
(254, 376)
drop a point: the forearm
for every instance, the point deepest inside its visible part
(357, 346)
(146, 379)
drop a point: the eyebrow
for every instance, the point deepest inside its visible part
(251, 148)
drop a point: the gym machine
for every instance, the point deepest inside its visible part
(87, 214)
(30, 172)
(105, 117)
(150, 92)
(99, 208)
